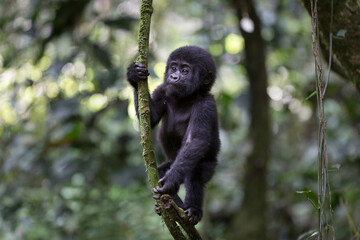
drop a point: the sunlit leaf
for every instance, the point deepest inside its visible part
(309, 234)
(341, 33)
(97, 102)
(334, 167)
(234, 43)
(311, 95)
(310, 196)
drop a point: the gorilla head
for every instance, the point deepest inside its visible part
(190, 69)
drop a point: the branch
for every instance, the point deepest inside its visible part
(322, 152)
(178, 214)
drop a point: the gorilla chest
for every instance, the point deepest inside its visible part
(176, 122)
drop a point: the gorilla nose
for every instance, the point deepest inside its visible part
(174, 77)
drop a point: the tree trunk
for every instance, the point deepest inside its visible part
(143, 95)
(345, 29)
(250, 221)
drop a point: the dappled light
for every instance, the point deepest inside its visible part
(230, 82)
(97, 102)
(159, 69)
(52, 90)
(234, 43)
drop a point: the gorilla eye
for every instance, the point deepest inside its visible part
(173, 68)
(185, 71)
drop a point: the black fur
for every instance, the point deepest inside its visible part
(189, 132)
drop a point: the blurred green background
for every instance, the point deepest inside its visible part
(70, 154)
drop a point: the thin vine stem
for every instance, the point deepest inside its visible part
(322, 151)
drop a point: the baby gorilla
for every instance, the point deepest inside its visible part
(189, 132)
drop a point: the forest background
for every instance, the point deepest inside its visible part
(70, 153)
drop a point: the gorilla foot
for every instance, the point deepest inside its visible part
(194, 215)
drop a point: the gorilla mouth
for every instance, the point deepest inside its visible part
(176, 87)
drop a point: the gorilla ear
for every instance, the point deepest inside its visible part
(208, 78)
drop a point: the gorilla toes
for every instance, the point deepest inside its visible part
(194, 215)
(157, 209)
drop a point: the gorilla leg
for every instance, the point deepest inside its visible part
(194, 198)
(195, 184)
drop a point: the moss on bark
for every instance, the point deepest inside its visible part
(346, 34)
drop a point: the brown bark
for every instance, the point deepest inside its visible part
(346, 35)
(250, 221)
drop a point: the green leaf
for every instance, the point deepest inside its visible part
(341, 33)
(310, 196)
(309, 234)
(311, 95)
(334, 167)
(303, 192)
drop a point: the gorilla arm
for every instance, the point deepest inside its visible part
(137, 72)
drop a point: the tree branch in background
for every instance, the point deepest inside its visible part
(322, 153)
(250, 221)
